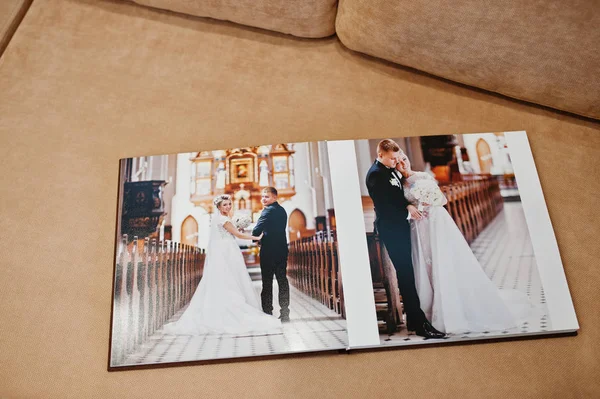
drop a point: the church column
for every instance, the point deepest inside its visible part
(325, 174)
(326, 178)
(415, 153)
(182, 186)
(364, 162)
(150, 170)
(303, 200)
(317, 184)
(169, 170)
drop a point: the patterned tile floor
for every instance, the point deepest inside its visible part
(505, 252)
(312, 327)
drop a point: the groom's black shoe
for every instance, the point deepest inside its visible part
(428, 331)
(284, 318)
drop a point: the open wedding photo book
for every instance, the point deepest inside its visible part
(286, 248)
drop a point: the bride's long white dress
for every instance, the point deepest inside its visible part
(455, 293)
(225, 301)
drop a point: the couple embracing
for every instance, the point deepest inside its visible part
(225, 301)
(444, 288)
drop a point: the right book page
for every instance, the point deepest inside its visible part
(445, 239)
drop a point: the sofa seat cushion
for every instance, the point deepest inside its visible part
(546, 53)
(304, 18)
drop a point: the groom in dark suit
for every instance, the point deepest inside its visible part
(391, 211)
(273, 252)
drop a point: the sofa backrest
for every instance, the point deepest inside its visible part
(542, 52)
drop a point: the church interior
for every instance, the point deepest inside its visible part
(165, 213)
(475, 173)
(165, 205)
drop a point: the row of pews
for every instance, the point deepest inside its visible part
(313, 268)
(388, 305)
(153, 280)
(473, 203)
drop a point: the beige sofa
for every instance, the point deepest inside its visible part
(84, 83)
(543, 53)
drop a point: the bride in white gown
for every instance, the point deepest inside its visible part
(225, 301)
(455, 293)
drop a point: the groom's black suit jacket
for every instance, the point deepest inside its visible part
(393, 228)
(272, 222)
(388, 198)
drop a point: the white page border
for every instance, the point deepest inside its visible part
(361, 317)
(357, 283)
(550, 267)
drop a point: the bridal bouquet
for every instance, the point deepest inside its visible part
(241, 221)
(427, 192)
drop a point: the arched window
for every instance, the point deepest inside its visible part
(484, 155)
(189, 231)
(296, 224)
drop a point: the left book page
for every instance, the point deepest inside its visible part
(228, 253)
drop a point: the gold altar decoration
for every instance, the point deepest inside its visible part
(242, 173)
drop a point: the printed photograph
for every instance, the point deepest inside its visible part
(226, 254)
(450, 252)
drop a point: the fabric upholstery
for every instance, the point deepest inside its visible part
(546, 53)
(11, 13)
(303, 18)
(87, 82)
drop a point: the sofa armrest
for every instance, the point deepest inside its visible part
(11, 15)
(303, 18)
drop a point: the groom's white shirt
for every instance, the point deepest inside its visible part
(394, 172)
